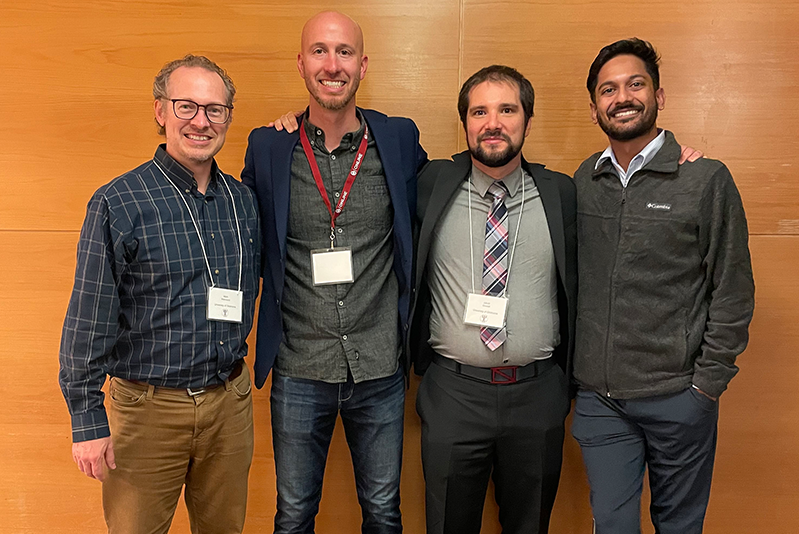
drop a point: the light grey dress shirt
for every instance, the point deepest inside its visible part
(532, 318)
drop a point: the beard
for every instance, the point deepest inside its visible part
(635, 128)
(334, 103)
(495, 158)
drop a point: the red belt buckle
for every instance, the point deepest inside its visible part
(504, 375)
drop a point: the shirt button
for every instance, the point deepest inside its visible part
(216, 271)
(338, 195)
(340, 230)
(333, 157)
(318, 132)
(250, 240)
(188, 190)
(505, 360)
(341, 303)
(357, 355)
(221, 342)
(352, 148)
(344, 337)
(212, 236)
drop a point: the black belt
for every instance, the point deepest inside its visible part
(509, 374)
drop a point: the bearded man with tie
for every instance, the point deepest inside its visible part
(493, 319)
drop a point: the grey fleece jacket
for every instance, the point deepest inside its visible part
(665, 279)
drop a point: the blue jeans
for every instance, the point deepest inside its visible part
(303, 417)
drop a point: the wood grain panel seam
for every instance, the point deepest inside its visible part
(461, 38)
(37, 230)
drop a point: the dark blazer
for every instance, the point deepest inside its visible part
(437, 185)
(267, 170)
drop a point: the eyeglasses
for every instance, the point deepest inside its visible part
(187, 110)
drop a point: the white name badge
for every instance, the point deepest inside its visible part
(485, 310)
(224, 305)
(332, 266)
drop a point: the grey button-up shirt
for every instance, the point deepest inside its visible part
(330, 329)
(532, 319)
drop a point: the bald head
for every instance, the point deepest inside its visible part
(322, 26)
(331, 61)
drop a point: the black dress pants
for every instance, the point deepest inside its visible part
(472, 430)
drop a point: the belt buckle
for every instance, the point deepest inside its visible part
(195, 392)
(504, 375)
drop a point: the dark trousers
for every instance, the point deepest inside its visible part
(472, 430)
(674, 435)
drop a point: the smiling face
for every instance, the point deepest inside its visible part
(331, 60)
(495, 125)
(627, 102)
(196, 141)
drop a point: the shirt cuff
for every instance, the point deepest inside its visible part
(712, 388)
(90, 425)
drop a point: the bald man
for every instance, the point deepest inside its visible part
(336, 200)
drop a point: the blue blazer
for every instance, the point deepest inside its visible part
(267, 170)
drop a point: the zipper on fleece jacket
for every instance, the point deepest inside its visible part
(611, 294)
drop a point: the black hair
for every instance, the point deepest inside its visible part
(633, 47)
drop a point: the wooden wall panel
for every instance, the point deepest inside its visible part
(78, 82)
(727, 70)
(75, 89)
(754, 489)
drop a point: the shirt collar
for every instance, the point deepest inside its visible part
(182, 176)
(482, 181)
(646, 154)
(317, 136)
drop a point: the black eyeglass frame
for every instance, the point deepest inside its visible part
(205, 110)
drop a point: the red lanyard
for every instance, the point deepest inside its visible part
(345, 191)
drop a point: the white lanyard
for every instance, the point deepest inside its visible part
(515, 241)
(197, 226)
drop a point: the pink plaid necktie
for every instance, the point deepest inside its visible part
(495, 259)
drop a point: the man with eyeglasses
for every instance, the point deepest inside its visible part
(165, 288)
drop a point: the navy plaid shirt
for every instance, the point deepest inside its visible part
(138, 307)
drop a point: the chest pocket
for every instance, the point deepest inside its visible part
(371, 202)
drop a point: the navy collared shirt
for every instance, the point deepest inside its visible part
(138, 306)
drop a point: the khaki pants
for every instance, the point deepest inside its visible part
(164, 438)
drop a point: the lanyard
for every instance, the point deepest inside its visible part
(345, 191)
(515, 240)
(197, 226)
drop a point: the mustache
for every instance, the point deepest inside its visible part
(624, 106)
(493, 134)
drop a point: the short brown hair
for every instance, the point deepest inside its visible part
(190, 60)
(498, 73)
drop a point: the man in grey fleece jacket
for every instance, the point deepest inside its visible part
(665, 300)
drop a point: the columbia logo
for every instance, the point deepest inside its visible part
(658, 206)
